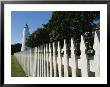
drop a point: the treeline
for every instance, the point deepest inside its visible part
(63, 25)
(15, 48)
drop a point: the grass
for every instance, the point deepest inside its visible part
(16, 69)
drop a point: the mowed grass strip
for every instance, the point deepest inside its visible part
(16, 69)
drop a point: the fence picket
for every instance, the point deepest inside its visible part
(66, 60)
(40, 63)
(54, 60)
(73, 59)
(94, 64)
(47, 60)
(50, 60)
(59, 60)
(44, 61)
(38, 69)
(83, 60)
(36, 56)
(30, 62)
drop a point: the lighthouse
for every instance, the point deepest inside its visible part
(24, 37)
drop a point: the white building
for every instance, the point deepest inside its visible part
(25, 36)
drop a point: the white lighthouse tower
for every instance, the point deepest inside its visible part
(25, 36)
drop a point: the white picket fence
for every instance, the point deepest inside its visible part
(51, 61)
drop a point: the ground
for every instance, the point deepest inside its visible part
(16, 69)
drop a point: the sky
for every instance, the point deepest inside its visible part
(34, 19)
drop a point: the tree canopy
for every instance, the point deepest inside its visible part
(15, 48)
(40, 36)
(62, 26)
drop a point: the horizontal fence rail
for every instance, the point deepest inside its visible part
(52, 60)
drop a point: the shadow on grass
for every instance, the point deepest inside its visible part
(16, 69)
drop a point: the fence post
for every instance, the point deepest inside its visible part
(59, 60)
(54, 60)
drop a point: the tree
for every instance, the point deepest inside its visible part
(63, 25)
(40, 36)
(15, 48)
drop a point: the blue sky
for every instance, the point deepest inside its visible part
(34, 19)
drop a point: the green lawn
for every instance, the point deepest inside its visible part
(16, 69)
